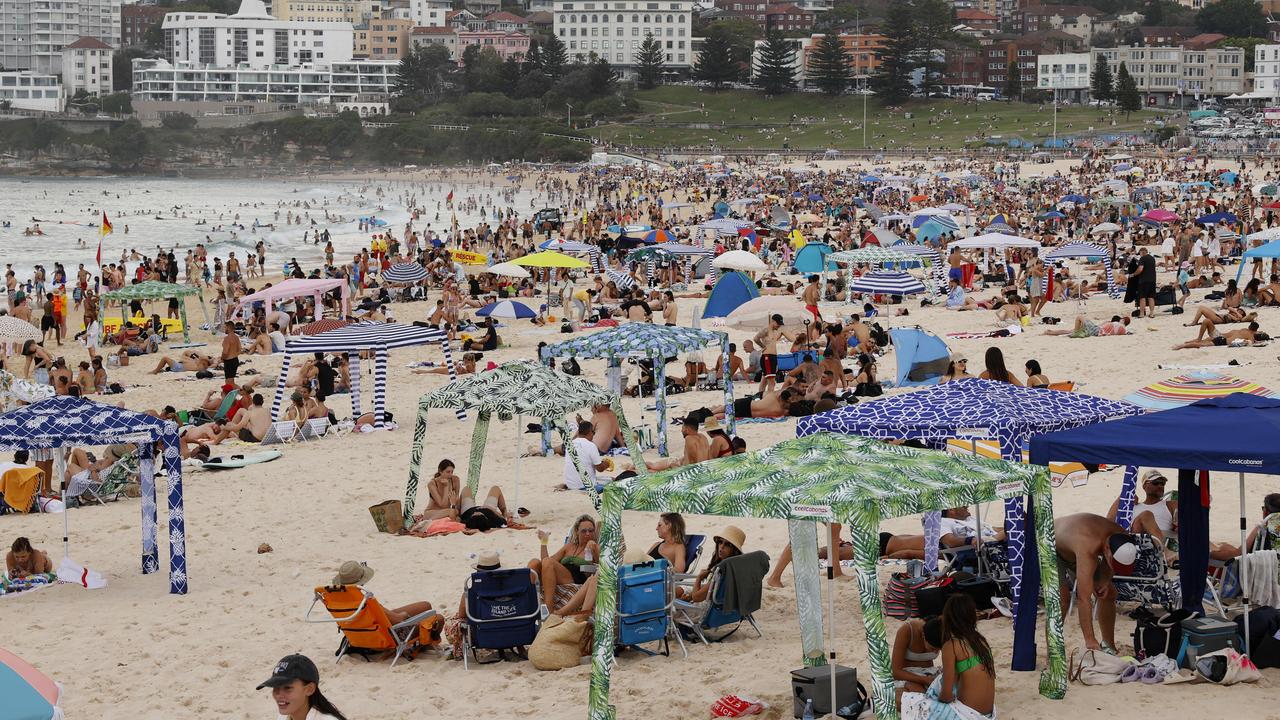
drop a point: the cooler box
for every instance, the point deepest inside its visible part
(815, 683)
(1202, 635)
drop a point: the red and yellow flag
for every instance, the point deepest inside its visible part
(103, 230)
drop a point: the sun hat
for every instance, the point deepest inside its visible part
(290, 668)
(353, 573)
(487, 560)
(733, 535)
(711, 424)
(1152, 475)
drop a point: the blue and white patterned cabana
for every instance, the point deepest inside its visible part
(974, 408)
(65, 422)
(1084, 249)
(378, 337)
(642, 340)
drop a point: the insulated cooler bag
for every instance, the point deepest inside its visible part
(642, 602)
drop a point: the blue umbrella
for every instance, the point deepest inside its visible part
(1051, 215)
(815, 197)
(405, 273)
(1073, 198)
(1215, 218)
(506, 309)
(887, 283)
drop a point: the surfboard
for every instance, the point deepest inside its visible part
(239, 461)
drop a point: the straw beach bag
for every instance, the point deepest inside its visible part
(559, 644)
(388, 516)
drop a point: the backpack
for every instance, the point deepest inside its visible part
(900, 595)
(879, 336)
(1097, 667)
(1157, 635)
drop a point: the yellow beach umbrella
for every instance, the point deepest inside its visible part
(550, 259)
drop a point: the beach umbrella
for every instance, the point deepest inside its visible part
(28, 693)
(659, 236)
(17, 330)
(998, 227)
(507, 269)
(1106, 227)
(740, 260)
(321, 326)
(1186, 389)
(1160, 215)
(887, 283)
(1269, 190)
(1215, 218)
(1273, 205)
(1073, 198)
(549, 259)
(405, 273)
(754, 314)
(1051, 215)
(506, 309)
(1267, 235)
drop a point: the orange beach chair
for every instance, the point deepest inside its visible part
(366, 629)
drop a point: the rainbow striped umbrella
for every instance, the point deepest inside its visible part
(1186, 389)
(28, 693)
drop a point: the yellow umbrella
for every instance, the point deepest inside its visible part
(550, 259)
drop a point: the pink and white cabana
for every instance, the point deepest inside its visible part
(293, 288)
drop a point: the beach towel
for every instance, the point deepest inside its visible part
(926, 706)
(754, 420)
(26, 584)
(1263, 581)
(605, 323)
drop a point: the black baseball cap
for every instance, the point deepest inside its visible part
(290, 668)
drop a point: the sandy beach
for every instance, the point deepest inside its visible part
(132, 650)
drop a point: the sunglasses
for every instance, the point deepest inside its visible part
(961, 362)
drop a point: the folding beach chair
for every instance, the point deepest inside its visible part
(646, 604)
(111, 483)
(710, 614)
(314, 428)
(366, 629)
(504, 612)
(1150, 583)
(693, 552)
(200, 417)
(19, 488)
(282, 431)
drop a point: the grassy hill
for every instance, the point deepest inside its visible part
(690, 116)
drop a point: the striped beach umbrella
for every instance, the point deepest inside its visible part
(28, 693)
(17, 330)
(887, 283)
(506, 309)
(405, 273)
(1186, 389)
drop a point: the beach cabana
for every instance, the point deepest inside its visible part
(352, 339)
(994, 241)
(65, 422)
(826, 477)
(293, 288)
(1234, 434)
(156, 290)
(689, 255)
(511, 391)
(1270, 250)
(978, 409)
(1084, 249)
(646, 341)
(873, 255)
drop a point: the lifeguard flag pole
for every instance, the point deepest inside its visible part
(103, 230)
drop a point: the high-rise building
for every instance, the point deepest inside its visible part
(34, 32)
(615, 30)
(136, 20)
(254, 39)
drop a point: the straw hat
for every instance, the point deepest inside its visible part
(353, 573)
(487, 560)
(733, 535)
(711, 424)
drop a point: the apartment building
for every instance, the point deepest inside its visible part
(136, 20)
(429, 13)
(322, 83)
(255, 39)
(1266, 72)
(1066, 75)
(615, 30)
(1168, 75)
(386, 39)
(34, 32)
(86, 65)
(25, 90)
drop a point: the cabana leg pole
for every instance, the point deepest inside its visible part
(353, 372)
(415, 465)
(516, 445)
(1244, 568)
(186, 331)
(479, 437)
(60, 469)
(1053, 681)
(1128, 490)
(803, 535)
(866, 549)
(730, 422)
(178, 580)
(380, 386)
(606, 615)
(147, 481)
(833, 557)
(660, 400)
(280, 382)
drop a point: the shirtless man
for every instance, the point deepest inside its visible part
(696, 448)
(607, 434)
(955, 265)
(737, 368)
(812, 293)
(1209, 336)
(862, 331)
(775, 403)
(208, 434)
(231, 349)
(768, 339)
(1090, 550)
(251, 425)
(191, 361)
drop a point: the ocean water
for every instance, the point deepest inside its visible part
(150, 213)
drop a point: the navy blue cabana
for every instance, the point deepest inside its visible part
(1236, 433)
(65, 421)
(975, 408)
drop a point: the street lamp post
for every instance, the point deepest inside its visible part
(570, 120)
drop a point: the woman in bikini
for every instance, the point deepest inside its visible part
(671, 543)
(445, 490)
(564, 566)
(1035, 376)
(23, 560)
(966, 689)
(915, 647)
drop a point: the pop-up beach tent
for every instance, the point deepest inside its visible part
(978, 409)
(826, 477)
(353, 339)
(812, 258)
(156, 290)
(731, 290)
(657, 343)
(1235, 434)
(1270, 250)
(514, 390)
(922, 356)
(65, 422)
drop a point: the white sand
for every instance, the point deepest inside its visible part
(134, 651)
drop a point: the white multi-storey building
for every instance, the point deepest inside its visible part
(252, 38)
(322, 83)
(615, 30)
(1171, 75)
(86, 65)
(429, 13)
(24, 90)
(1266, 73)
(34, 32)
(1066, 75)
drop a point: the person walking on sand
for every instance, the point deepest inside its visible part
(231, 350)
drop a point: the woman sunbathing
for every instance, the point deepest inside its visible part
(22, 560)
(445, 491)
(564, 566)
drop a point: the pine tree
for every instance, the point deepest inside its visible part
(601, 79)
(510, 75)
(1013, 81)
(775, 71)
(933, 21)
(649, 62)
(892, 81)
(554, 58)
(1127, 97)
(830, 67)
(715, 62)
(532, 58)
(1100, 82)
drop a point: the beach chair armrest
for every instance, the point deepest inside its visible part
(331, 618)
(415, 620)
